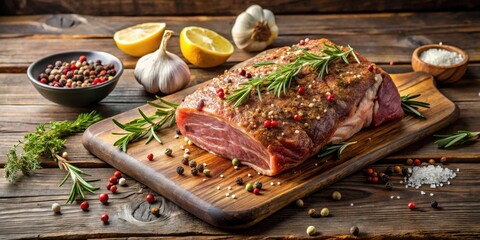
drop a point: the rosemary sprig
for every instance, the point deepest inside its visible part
(336, 149)
(146, 125)
(411, 107)
(459, 138)
(46, 141)
(281, 80)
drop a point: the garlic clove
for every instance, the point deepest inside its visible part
(256, 12)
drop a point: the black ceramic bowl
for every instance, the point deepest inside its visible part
(74, 97)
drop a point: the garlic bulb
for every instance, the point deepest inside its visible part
(254, 29)
(162, 71)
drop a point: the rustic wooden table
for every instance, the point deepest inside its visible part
(382, 37)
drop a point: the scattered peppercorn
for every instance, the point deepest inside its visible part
(397, 169)
(103, 198)
(354, 231)
(194, 171)
(299, 203)
(113, 180)
(405, 172)
(388, 186)
(239, 181)
(411, 205)
(168, 152)
(122, 181)
(113, 189)
(220, 93)
(206, 172)
(336, 195)
(330, 97)
(431, 161)
(249, 187)
(109, 185)
(409, 162)
(417, 162)
(368, 171)
(443, 160)
(192, 163)
(297, 117)
(380, 175)
(311, 230)
(370, 67)
(150, 198)
(434, 204)
(391, 63)
(84, 206)
(389, 171)
(256, 191)
(180, 170)
(248, 75)
(104, 218)
(150, 157)
(118, 174)
(258, 185)
(56, 208)
(374, 174)
(185, 161)
(267, 124)
(374, 179)
(200, 168)
(178, 132)
(312, 212)
(301, 90)
(242, 72)
(385, 178)
(302, 42)
(235, 162)
(324, 212)
(274, 123)
(155, 211)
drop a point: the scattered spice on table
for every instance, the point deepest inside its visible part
(207, 172)
(192, 163)
(194, 171)
(411, 205)
(104, 218)
(324, 212)
(122, 182)
(434, 204)
(312, 212)
(180, 170)
(84, 206)
(103, 198)
(150, 198)
(256, 191)
(200, 168)
(299, 203)
(56, 208)
(113, 189)
(155, 211)
(311, 230)
(150, 157)
(249, 187)
(336, 195)
(258, 185)
(239, 181)
(354, 231)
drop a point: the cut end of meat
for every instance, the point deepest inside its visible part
(223, 138)
(387, 105)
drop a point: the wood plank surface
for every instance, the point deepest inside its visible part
(395, 37)
(206, 201)
(25, 211)
(224, 7)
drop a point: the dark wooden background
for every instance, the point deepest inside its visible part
(383, 31)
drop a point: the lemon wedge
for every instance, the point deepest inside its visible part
(140, 39)
(203, 47)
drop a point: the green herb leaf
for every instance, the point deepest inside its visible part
(146, 125)
(336, 149)
(411, 107)
(281, 80)
(459, 138)
(46, 141)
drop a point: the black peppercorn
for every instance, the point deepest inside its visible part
(178, 132)
(180, 170)
(385, 178)
(434, 204)
(192, 164)
(405, 172)
(239, 181)
(185, 161)
(388, 186)
(200, 167)
(194, 171)
(354, 231)
(257, 185)
(389, 171)
(168, 152)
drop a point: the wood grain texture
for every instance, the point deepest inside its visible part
(396, 34)
(223, 7)
(202, 198)
(25, 211)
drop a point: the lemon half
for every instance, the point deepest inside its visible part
(140, 39)
(203, 47)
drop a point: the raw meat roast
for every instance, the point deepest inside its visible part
(363, 96)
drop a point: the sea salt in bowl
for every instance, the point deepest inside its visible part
(446, 63)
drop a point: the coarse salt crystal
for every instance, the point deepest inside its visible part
(176, 136)
(431, 175)
(422, 192)
(398, 197)
(391, 197)
(278, 183)
(233, 196)
(204, 179)
(272, 183)
(297, 132)
(249, 175)
(182, 147)
(431, 194)
(229, 188)
(186, 150)
(218, 187)
(185, 139)
(235, 167)
(221, 175)
(227, 194)
(351, 204)
(440, 57)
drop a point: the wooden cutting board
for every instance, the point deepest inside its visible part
(199, 194)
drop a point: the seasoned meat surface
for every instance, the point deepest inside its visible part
(214, 125)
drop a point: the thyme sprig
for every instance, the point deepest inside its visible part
(411, 107)
(281, 80)
(459, 138)
(146, 125)
(46, 141)
(336, 149)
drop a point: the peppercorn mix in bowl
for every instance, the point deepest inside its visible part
(75, 78)
(446, 63)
